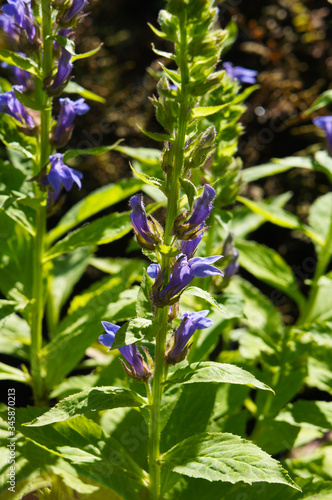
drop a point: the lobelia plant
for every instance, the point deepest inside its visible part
(174, 427)
(165, 323)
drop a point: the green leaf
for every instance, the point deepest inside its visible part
(92, 52)
(109, 301)
(323, 163)
(73, 153)
(190, 190)
(224, 457)
(144, 305)
(151, 181)
(167, 250)
(202, 294)
(83, 442)
(99, 232)
(156, 136)
(133, 331)
(302, 413)
(280, 217)
(276, 166)
(323, 100)
(74, 88)
(10, 373)
(322, 307)
(92, 399)
(145, 155)
(98, 200)
(21, 62)
(8, 307)
(266, 264)
(220, 373)
(21, 218)
(320, 216)
(27, 102)
(65, 42)
(206, 111)
(67, 270)
(12, 138)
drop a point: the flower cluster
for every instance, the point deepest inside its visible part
(167, 294)
(18, 22)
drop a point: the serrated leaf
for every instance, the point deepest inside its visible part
(152, 181)
(199, 112)
(99, 232)
(83, 442)
(202, 294)
(96, 201)
(220, 373)
(92, 399)
(74, 88)
(133, 331)
(224, 457)
(21, 62)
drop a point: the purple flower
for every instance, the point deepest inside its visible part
(60, 174)
(17, 20)
(184, 271)
(62, 75)
(146, 232)
(68, 111)
(139, 369)
(177, 347)
(233, 266)
(325, 123)
(244, 75)
(72, 15)
(10, 105)
(188, 247)
(187, 229)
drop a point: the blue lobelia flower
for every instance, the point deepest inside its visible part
(68, 111)
(325, 123)
(62, 175)
(177, 347)
(243, 75)
(139, 369)
(148, 234)
(62, 75)
(184, 271)
(187, 229)
(18, 22)
(73, 14)
(188, 247)
(10, 105)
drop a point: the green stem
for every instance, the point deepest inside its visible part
(160, 372)
(323, 261)
(37, 313)
(157, 392)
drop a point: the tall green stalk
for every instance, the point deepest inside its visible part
(162, 314)
(43, 151)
